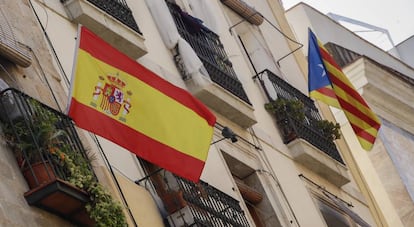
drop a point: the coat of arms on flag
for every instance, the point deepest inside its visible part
(111, 96)
(117, 98)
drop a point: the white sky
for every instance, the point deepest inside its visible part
(397, 16)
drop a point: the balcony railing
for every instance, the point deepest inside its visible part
(191, 204)
(43, 140)
(290, 128)
(117, 9)
(209, 49)
(211, 207)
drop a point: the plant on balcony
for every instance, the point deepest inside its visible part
(40, 140)
(287, 107)
(30, 145)
(295, 110)
(102, 208)
(329, 129)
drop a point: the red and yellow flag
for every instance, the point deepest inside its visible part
(115, 97)
(329, 84)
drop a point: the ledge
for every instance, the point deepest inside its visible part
(318, 162)
(108, 28)
(389, 94)
(223, 102)
(15, 52)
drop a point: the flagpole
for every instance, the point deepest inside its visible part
(148, 176)
(98, 144)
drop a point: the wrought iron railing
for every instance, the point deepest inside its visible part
(209, 49)
(117, 9)
(210, 206)
(290, 128)
(202, 204)
(41, 138)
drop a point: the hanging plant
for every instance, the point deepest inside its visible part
(39, 138)
(102, 208)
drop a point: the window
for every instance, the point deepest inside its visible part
(332, 216)
(336, 212)
(253, 193)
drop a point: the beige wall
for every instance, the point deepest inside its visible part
(376, 86)
(141, 203)
(289, 195)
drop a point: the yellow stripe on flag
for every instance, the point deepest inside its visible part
(363, 120)
(150, 112)
(324, 98)
(361, 123)
(117, 98)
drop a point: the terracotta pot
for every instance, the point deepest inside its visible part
(42, 171)
(63, 199)
(173, 201)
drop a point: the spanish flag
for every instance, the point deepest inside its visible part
(329, 84)
(115, 97)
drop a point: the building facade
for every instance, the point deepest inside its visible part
(269, 163)
(401, 51)
(386, 83)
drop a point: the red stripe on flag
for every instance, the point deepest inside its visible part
(158, 153)
(358, 113)
(363, 121)
(338, 82)
(106, 53)
(326, 56)
(363, 134)
(327, 91)
(349, 90)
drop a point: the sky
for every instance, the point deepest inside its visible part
(396, 16)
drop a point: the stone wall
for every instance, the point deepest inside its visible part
(19, 18)
(14, 210)
(393, 162)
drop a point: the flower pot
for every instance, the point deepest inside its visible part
(173, 201)
(63, 199)
(40, 173)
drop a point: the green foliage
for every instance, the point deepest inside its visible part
(295, 110)
(102, 208)
(30, 138)
(329, 129)
(38, 136)
(283, 107)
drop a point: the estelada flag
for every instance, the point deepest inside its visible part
(115, 97)
(329, 84)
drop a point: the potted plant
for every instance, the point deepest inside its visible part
(282, 107)
(287, 112)
(40, 138)
(329, 129)
(30, 139)
(101, 208)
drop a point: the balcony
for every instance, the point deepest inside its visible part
(190, 204)
(46, 147)
(304, 139)
(119, 28)
(209, 206)
(226, 95)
